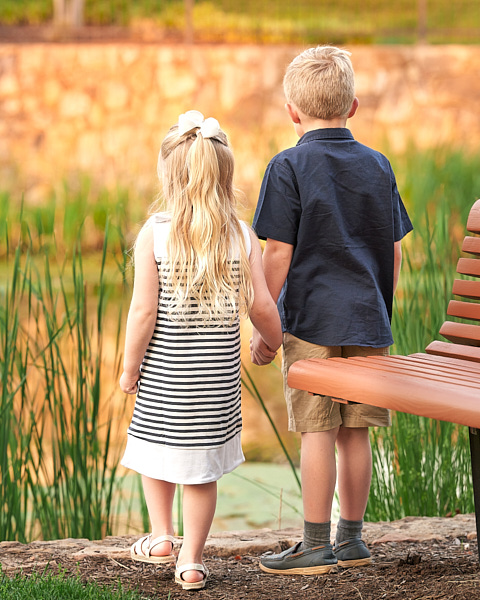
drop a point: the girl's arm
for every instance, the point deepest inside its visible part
(277, 257)
(143, 311)
(263, 313)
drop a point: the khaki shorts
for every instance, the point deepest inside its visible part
(307, 413)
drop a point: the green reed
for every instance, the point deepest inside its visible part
(422, 466)
(58, 373)
(58, 464)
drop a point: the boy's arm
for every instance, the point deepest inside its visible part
(277, 257)
(263, 312)
(397, 263)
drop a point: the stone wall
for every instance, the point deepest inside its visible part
(103, 109)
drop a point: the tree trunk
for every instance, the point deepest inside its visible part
(68, 13)
(189, 30)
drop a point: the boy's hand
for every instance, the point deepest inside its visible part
(129, 383)
(260, 353)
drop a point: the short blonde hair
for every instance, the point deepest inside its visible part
(320, 82)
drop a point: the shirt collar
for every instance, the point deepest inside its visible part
(334, 133)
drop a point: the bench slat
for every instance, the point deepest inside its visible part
(467, 288)
(403, 364)
(469, 266)
(473, 221)
(461, 333)
(471, 245)
(470, 353)
(431, 371)
(464, 310)
(460, 364)
(444, 401)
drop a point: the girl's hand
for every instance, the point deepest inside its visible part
(129, 383)
(260, 353)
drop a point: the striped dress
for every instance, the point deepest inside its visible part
(186, 424)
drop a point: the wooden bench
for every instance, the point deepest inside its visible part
(443, 383)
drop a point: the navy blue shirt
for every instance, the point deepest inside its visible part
(336, 201)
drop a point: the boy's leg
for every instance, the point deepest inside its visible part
(319, 473)
(199, 502)
(317, 418)
(354, 477)
(354, 471)
(159, 498)
(355, 466)
(313, 556)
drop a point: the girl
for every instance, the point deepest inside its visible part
(196, 268)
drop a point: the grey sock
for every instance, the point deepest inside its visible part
(347, 530)
(315, 534)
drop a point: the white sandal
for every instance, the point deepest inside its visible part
(195, 585)
(142, 552)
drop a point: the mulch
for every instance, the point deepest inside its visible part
(429, 570)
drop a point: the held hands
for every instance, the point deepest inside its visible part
(260, 353)
(129, 383)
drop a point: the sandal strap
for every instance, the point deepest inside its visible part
(142, 550)
(160, 540)
(192, 567)
(138, 546)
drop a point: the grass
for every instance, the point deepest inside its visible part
(282, 21)
(61, 586)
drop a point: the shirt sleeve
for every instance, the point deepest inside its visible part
(401, 220)
(279, 209)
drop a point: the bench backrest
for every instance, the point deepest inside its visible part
(464, 337)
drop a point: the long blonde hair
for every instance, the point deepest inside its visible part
(197, 177)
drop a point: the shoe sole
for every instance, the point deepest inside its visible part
(318, 570)
(359, 562)
(154, 560)
(194, 585)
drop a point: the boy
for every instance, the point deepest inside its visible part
(333, 220)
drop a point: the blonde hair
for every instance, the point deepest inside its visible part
(197, 177)
(321, 83)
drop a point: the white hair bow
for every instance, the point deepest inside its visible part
(192, 119)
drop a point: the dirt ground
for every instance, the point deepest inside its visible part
(428, 570)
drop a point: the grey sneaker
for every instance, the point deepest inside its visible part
(295, 561)
(352, 553)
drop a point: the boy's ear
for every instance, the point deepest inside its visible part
(353, 110)
(292, 112)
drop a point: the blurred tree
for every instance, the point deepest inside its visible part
(68, 13)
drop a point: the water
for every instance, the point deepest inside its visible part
(254, 496)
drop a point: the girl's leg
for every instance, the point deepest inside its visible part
(354, 471)
(159, 498)
(199, 502)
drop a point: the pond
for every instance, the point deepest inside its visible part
(254, 496)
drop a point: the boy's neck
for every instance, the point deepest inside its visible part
(303, 123)
(312, 124)
(306, 124)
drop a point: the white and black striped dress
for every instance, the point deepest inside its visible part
(187, 421)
